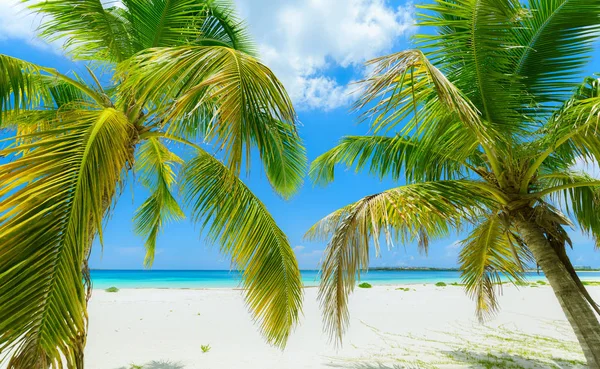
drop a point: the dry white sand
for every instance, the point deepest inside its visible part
(425, 327)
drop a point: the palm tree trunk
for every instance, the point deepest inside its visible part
(579, 313)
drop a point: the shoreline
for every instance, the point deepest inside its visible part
(407, 284)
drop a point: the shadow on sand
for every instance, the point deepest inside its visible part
(160, 364)
(477, 346)
(474, 360)
(508, 361)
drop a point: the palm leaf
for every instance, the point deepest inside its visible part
(90, 31)
(53, 200)
(394, 156)
(402, 81)
(155, 167)
(419, 211)
(242, 226)
(21, 86)
(489, 251)
(243, 96)
(159, 23)
(475, 48)
(222, 27)
(578, 194)
(557, 38)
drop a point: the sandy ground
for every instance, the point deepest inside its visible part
(424, 327)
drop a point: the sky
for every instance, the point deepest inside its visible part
(317, 48)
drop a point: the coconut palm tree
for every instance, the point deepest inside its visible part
(182, 73)
(485, 122)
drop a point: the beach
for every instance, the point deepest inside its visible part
(392, 326)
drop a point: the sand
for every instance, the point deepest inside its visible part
(425, 327)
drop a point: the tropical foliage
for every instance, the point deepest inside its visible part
(485, 122)
(181, 74)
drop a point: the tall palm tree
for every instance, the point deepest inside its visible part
(184, 73)
(485, 123)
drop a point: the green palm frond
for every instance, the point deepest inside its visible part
(236, 220)
(21, 85)
(419, 211)
(491, 250)
(474, 47)
(399, 83)
(221, 26)
(52, 202)
(570, 133)
(155, 168)
(394, 156)
(91, 31)
(557, 39)
(282, 154)
(578, 194)
(26, 86)
(165, 23)
(244, 95)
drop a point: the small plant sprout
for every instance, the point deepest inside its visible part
(135, 366)
(440, 284)
(112, 289)
(365, 285)
(205, 348)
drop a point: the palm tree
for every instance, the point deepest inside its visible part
(184, 73)
(485, 122)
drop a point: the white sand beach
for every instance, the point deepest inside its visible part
(424, 327)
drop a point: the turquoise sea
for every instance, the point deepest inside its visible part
(230, 279)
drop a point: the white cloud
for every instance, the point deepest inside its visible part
(454, 245)
(16, 21)
(301, 40)
(298, 249)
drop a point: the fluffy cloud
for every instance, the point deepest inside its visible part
(16, 21)
(301, 40)
(299, 248)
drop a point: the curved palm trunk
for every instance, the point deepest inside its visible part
(578, 311)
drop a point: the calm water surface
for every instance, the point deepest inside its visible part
(229, 279)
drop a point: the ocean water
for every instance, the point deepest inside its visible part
(231, 279)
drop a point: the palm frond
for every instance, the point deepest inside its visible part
(401, 82)
(52, 202)
(394, 156)
(491, 250)
(244, 96)
(282, 154)
(557, 38)
(577, 194)
(155, 168)
(572, 132)
(20, 86)
(475, 48)
(419, 211)
(569, 134)
(165, 23)
(221, 26)
(236, 220)
(90, 31)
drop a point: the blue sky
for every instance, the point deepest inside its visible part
(316, 49)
